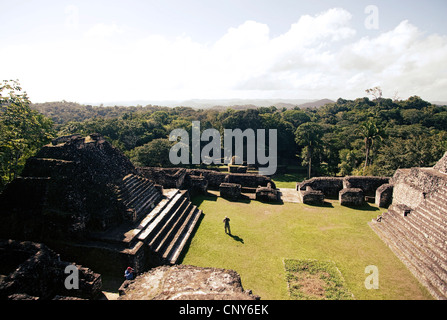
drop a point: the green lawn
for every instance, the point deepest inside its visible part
(266, 234)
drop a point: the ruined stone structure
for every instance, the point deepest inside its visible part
(200, 180)
(329, 186)
(31, 271)
(183, 282)
(384, 195)
(350, 190)
(311, 196)
(267, 194)
(84, 199)
(351, 197)
(415, 225)
(230, 191)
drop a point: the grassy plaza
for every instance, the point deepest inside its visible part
(265, 235)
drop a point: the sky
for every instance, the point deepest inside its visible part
(103, 51)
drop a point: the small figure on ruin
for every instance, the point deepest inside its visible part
(129, 273)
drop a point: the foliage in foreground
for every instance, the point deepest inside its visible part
(23, 131)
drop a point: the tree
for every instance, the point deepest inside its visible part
(152, 154)
(370, 132)
(309, 137)
(376, 92)
(23, 130)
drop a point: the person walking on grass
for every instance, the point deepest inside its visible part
(227, 225)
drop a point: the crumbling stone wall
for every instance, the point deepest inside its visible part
(167, 177)
(178, 177)
(230, 190)
(330, 186)
(384, 195)
(310, 196)
(196, 184)
(267, 194)
(351, 197)
(368, 184)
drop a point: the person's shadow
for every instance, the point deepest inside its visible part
(237, 238)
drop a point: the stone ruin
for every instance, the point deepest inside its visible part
(230, 191)
(86, 201)
(199, 181)
(31, 271)
(182, 282)
(415, 225)
(267, 194)
(350, 190)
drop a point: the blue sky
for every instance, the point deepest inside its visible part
(100, 51)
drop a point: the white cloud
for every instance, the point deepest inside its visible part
(319, 56)
(104, 30)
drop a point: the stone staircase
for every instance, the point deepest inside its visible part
(139, 195)
(159, 222)
(419, 238)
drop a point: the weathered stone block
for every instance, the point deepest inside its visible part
(384, 195)
(230, 190)
(267, 194)
(368, 184)
(351, 197)
(310, 196)
(330, 186)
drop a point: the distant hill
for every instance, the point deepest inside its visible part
(280, 103)
(64, 111)
(239, 103)
(315, 104)
(440, 103)
(216, 103)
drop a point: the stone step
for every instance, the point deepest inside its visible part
(427, 214)
(168, 224)
(134, 197)
(423, 273)
(428, 228)
(172, 230)
(155, 224)
(130, 182)
(438, 209)
(125, 236)
(165, 200)
(147, 201)
(134, 194)
(435, 253)
(429, 232)
(173, 252)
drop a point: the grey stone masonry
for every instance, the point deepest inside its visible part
(310, 196)
(230, 190)
(351, 197)
(415, 225)
(384, 195)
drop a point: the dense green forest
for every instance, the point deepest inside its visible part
(348, 137)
